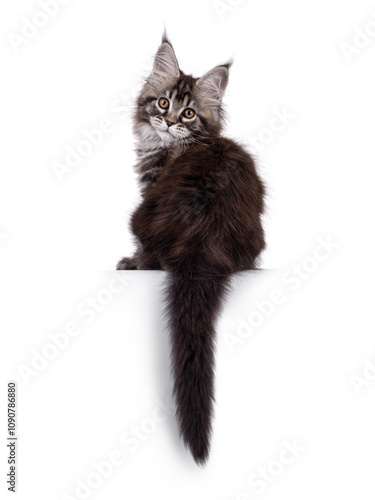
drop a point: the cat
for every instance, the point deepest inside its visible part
(199, 220)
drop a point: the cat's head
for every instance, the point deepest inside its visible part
(173, 107)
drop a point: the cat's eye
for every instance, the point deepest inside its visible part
(189, 113)
(164, 103)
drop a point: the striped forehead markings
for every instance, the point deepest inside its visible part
(180, 94)
(186, 99)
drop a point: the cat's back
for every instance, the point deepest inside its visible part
(216, 154)
(222, 163)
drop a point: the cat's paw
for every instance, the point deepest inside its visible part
(126, 264)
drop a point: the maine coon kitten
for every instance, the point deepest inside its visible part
(199, 219)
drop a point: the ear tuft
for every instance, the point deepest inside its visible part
(228, 64)
(165, 63)
(165, 37)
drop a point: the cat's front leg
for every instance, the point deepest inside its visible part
(127, 264)
(141, 261)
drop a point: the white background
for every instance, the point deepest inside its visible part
(292, 378)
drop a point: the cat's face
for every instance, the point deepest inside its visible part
(174, 113)
(177, 108)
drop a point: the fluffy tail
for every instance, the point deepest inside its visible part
(194, 301)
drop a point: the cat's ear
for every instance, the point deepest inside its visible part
(165, 63)
(213, 84)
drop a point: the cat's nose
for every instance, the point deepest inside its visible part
(169, 123)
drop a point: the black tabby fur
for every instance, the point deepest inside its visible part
(200, 220)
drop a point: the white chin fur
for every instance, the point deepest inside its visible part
(166, 136)
(153, 135)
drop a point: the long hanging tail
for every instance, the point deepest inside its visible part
(194, 301)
